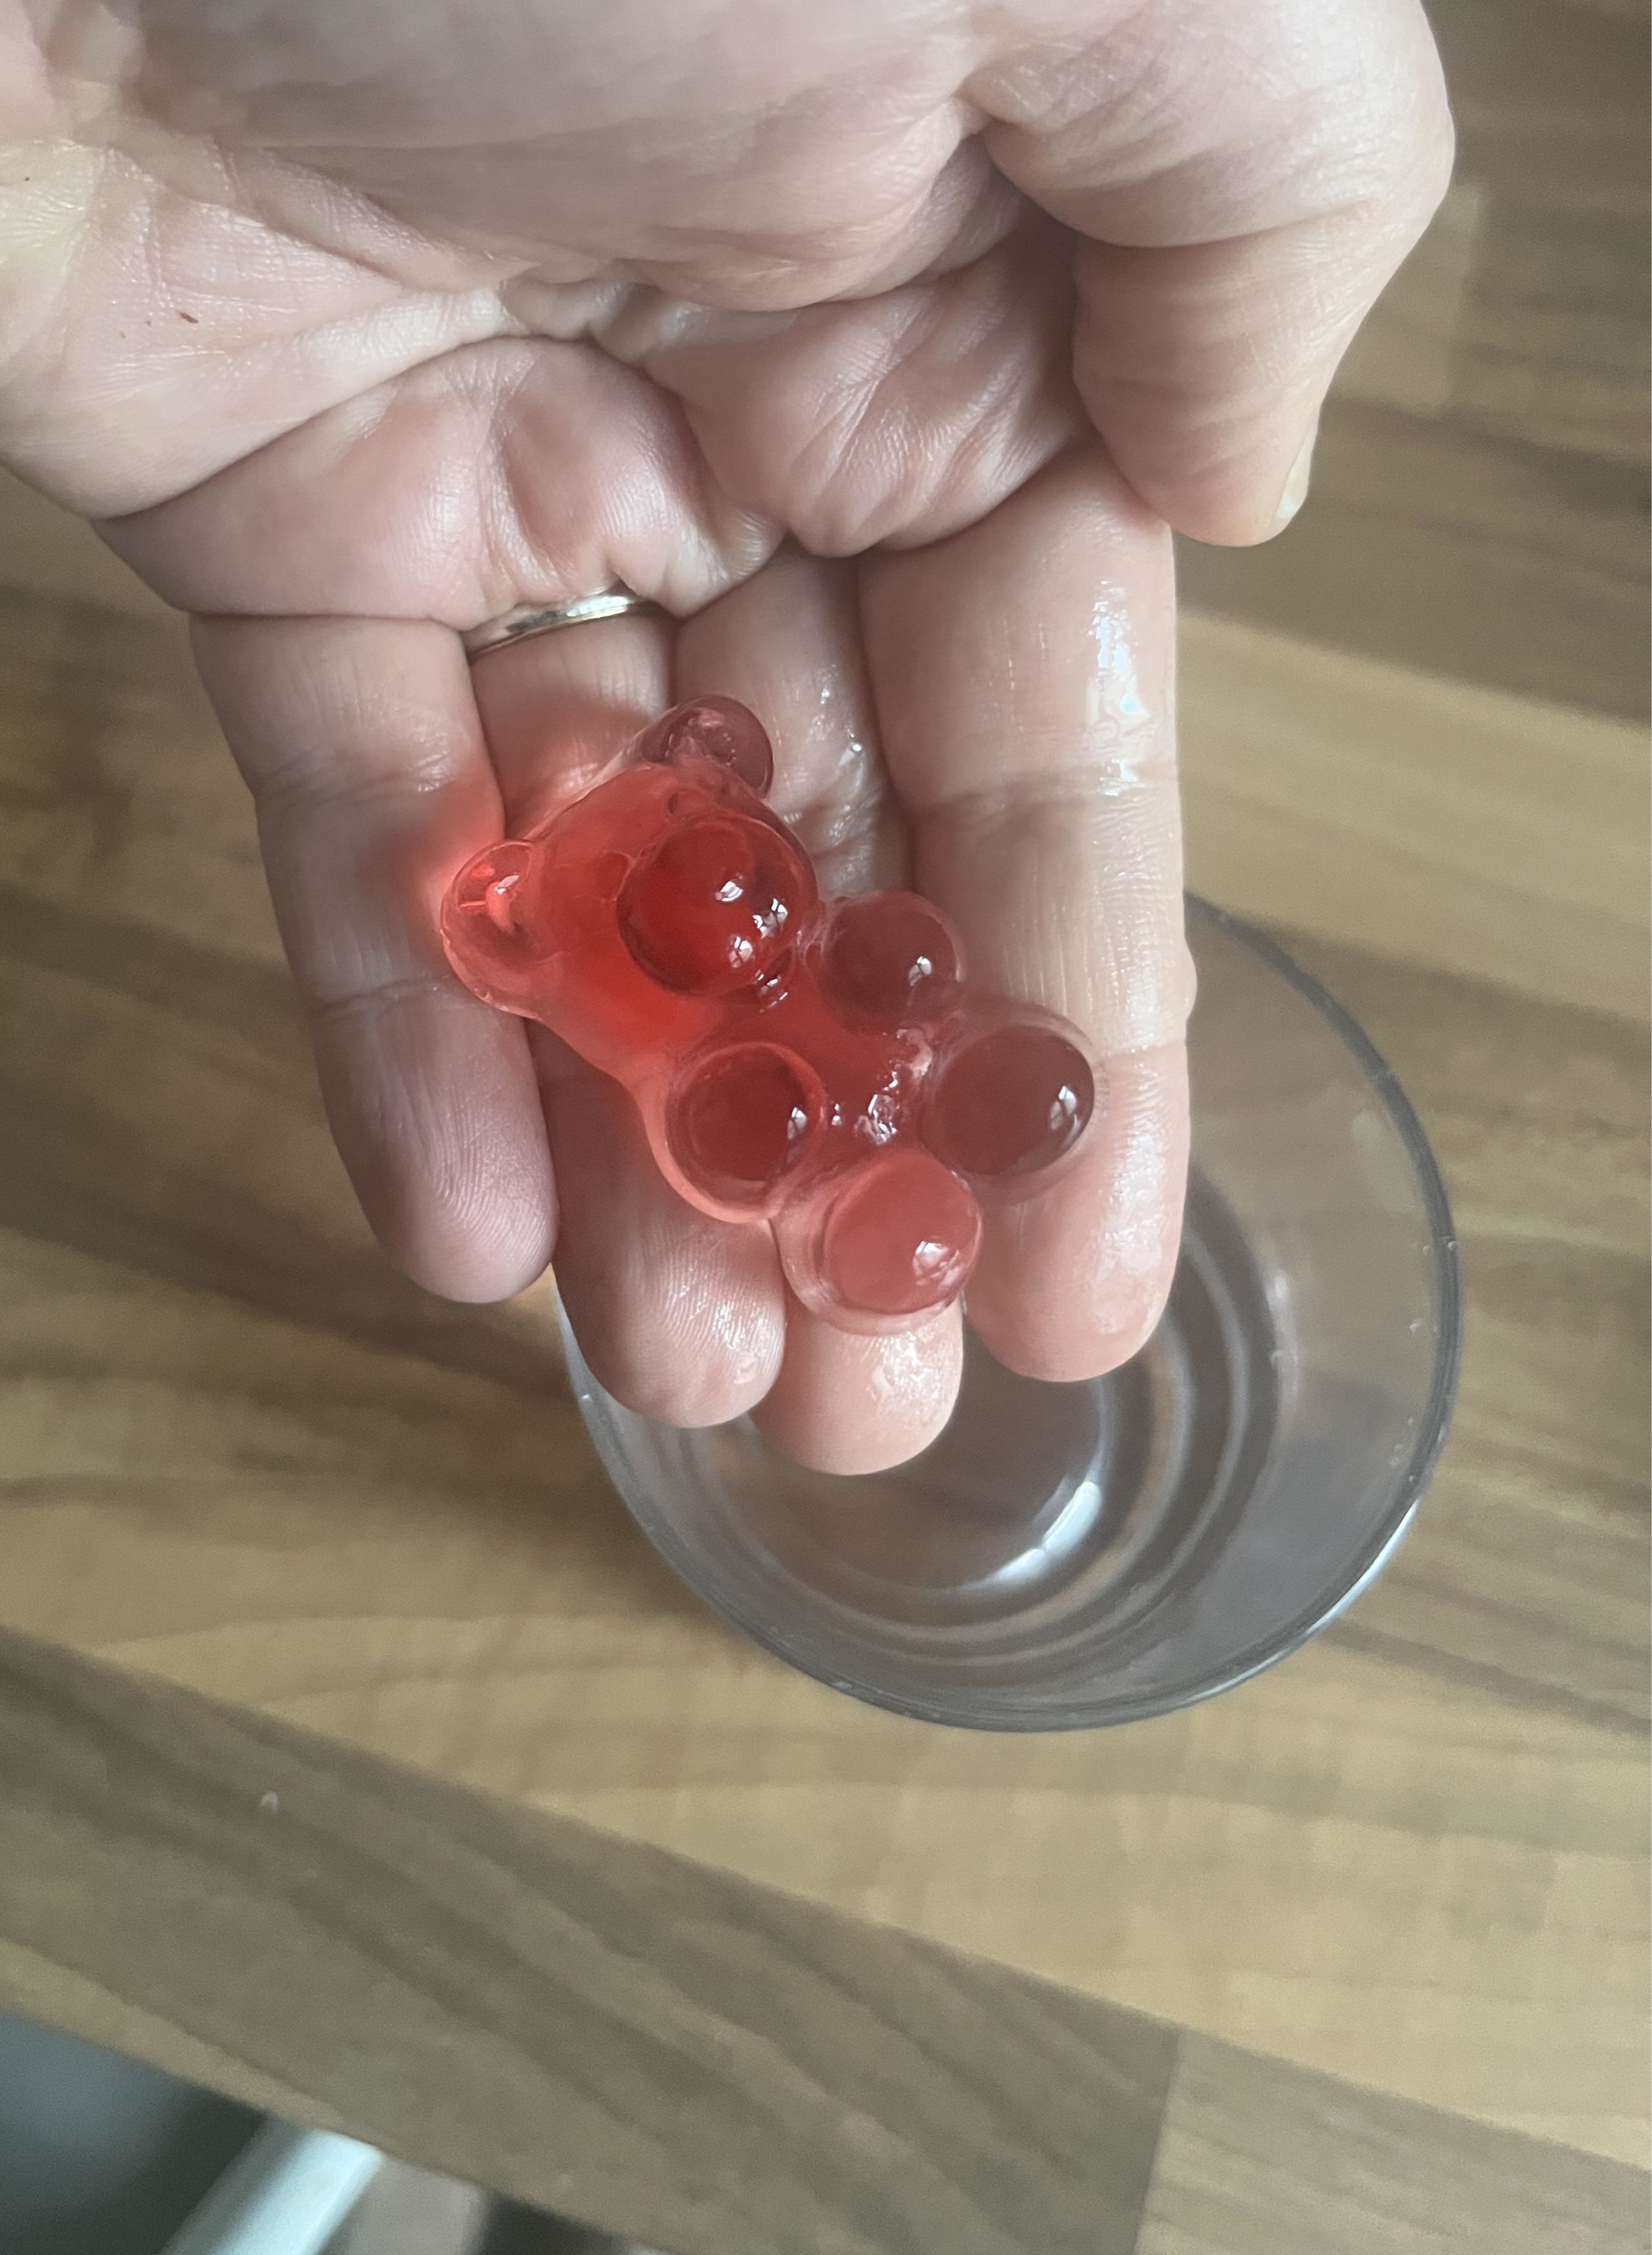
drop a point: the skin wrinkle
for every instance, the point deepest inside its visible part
(988, 435)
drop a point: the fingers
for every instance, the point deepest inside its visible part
(1246, 178)
(1022, 672)
(680, 1317)
(1072, 1282)
(788, 642)
(521, 471)
(361, 743)
(555, 709)
(845, 1403)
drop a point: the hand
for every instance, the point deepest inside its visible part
(878, 344)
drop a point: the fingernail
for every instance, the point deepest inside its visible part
(1295, 490)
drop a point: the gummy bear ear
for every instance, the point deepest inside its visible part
(493, 924)
(717, 729)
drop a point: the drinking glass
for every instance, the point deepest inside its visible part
(1067, 1556)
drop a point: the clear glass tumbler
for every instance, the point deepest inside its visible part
(1068, 1555)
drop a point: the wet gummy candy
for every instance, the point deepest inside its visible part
(822, 1067)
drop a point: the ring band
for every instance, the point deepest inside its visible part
(529, 619)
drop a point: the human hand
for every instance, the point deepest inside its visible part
(876, 345)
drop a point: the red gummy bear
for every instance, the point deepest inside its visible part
(817, 1066)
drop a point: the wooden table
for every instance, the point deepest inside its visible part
(356, 1757)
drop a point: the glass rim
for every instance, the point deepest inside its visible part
(1434, 1420)
(1433, 1428)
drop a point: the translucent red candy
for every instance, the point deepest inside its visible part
(819, 1066)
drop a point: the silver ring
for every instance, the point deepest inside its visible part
(544, 618)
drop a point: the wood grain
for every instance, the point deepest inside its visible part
(1436, 820)
(662, 2050)
(566, 1888)
(637, 2040)
(1261, 2159)
(244, 1455)
(1549, 98)
(1442, 548)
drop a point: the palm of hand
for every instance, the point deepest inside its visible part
(341, 401)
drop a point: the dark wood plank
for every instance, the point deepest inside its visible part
(1551, 345)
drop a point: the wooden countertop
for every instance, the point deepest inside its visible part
(357, 1756)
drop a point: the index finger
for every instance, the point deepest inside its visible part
(1024, 673)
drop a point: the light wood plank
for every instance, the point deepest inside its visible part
(1462, 554)
(1416, 817)
(1258, 2159)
